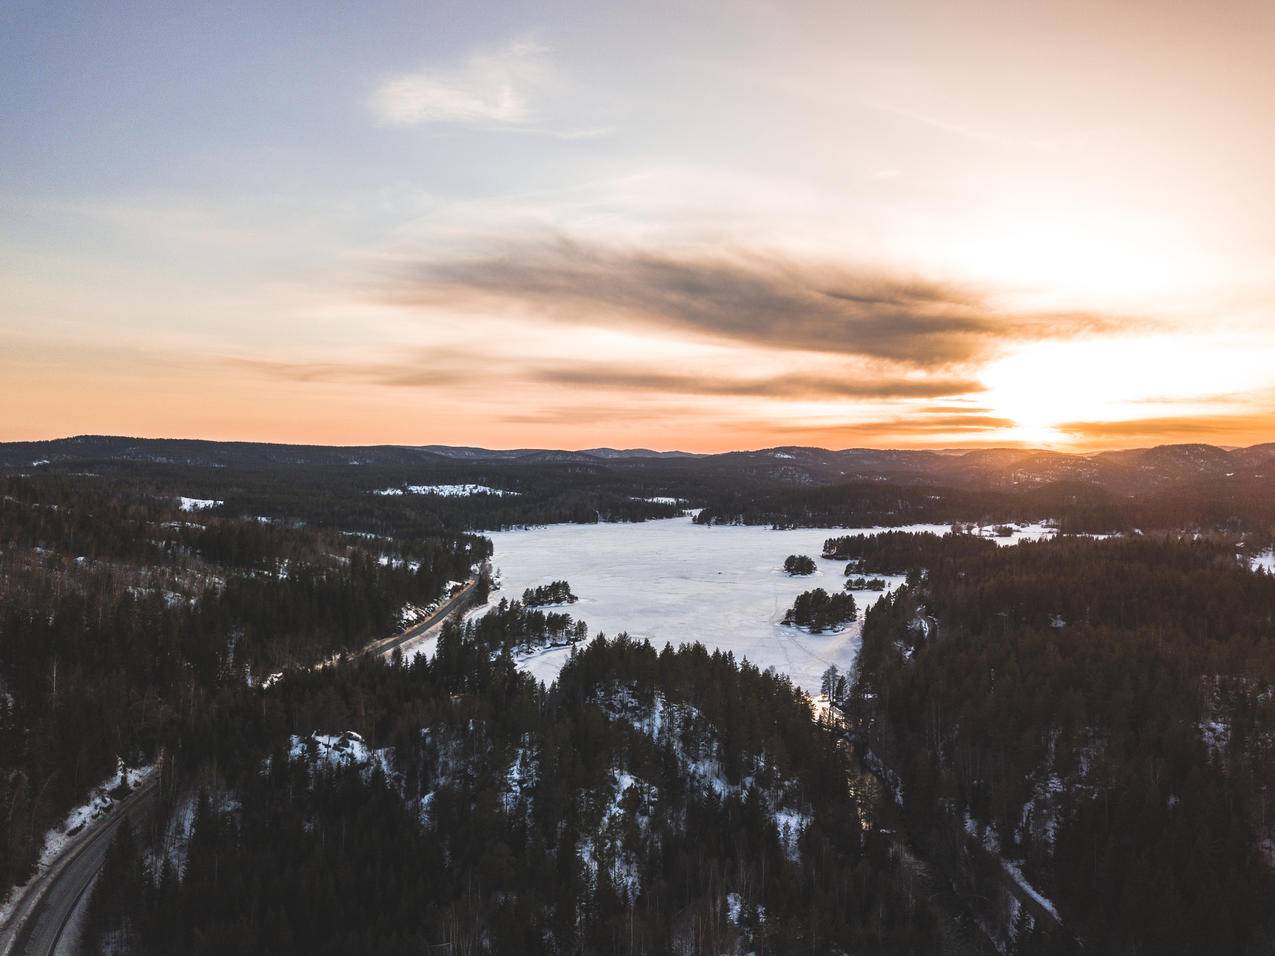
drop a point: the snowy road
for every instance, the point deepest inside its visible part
(424, 632)
(40, 922)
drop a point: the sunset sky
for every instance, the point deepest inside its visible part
(685, 225)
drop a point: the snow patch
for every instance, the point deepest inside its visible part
(339, 751)
(99, 804)
(1216, 735)
(629, 797)
(198, 504)
(445, 491)
(520, 778)
(790, 825)
(390, 561)
(991, 842)
(1016, 875)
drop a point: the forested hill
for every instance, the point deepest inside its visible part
(1200, 487)
(1093, 718)
(189, 451)
(670, 802)
(1125, 471)
(124, 614)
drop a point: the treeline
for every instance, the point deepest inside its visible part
(1243, 505)
(120, 615)
(555, 592)
(344, 497)
(898, 552)
(866, 504)
(865, 584)
(820, 611)
(1098, 713)
(1182, 488)
(512, 627)
(489, 814)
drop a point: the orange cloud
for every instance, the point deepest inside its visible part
(1236, 429)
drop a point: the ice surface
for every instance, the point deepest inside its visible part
(671, 580)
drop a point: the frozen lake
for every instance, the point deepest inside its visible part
(672, 581)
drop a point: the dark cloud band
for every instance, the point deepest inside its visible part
(751, 297)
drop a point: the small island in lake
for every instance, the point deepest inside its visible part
(820, 611)
(865, 584)
(555, 592)
(797, 564)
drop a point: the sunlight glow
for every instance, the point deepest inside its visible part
(1081, 254)
(1044, 385)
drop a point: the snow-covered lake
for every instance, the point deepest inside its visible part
(671, 580)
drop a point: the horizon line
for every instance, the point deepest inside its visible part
(424, 446)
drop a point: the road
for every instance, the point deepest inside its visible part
(40, 919)
(386, 645)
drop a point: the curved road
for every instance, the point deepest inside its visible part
(40, 920)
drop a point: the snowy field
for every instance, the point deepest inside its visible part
(674, 581)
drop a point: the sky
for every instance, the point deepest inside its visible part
(699, 226)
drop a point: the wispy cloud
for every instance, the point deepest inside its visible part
(1240, 427)
(794, 387)
(920, 427)
(574, 414)
(444, 369)
(980, 135)
(441, 369)
(495, 86)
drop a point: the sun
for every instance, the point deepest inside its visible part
(1043, 387)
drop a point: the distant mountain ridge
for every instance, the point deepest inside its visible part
(198, 451)
(1135, 469)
